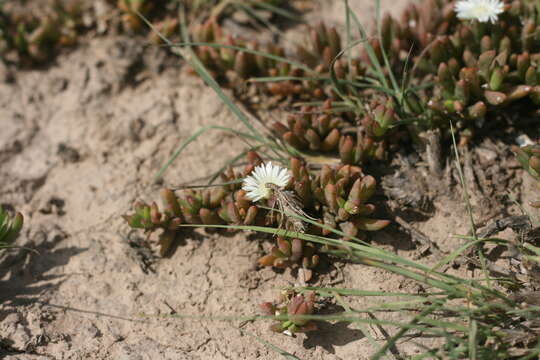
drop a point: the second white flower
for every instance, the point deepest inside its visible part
(481, 10)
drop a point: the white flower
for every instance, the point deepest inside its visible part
(255, 184)
(481, 10)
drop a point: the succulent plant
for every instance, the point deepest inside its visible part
(476, 67)
(37, 35)
(312, 130)
(338, 197)
(292, 252)
(227, 63)
(10, 227)
(233, 66)
(292, 306)
(245, 12)
(166, 27)
(149, 218)
(131, 10)
(222, 204)
(30, 35)
(322, 131)
(529, 157)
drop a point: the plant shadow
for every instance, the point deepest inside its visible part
(331, 335)
(25, 271)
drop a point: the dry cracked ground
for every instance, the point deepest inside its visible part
(80, 141)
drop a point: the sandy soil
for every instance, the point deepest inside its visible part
(80, 141)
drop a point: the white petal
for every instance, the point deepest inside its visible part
(250, 181)
(480, 10)
(255, 184)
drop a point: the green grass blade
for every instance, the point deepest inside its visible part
(473, 332)
(393, 340)
(462, 179)
(286, 78)
(377, 68)
(187, 44)
(348, 37)
(454, 254)
(383, 51)
(251, 12)
(194, 137)
(209, 80)
(279, 10)
(357, 292)
(405, 75)
(469, 207)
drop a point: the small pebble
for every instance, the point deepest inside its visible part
(524, 140)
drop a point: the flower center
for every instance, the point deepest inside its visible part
(481, 9)
(267, 188)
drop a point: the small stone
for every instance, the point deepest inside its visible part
(486, 156)
(523, 140)
(288, 333)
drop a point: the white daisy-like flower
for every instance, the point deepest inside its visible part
(481, 10)
(255, 185)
